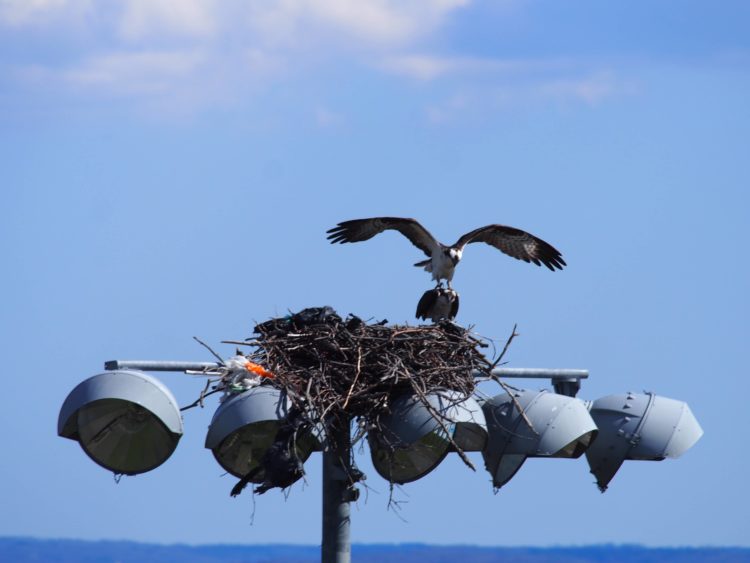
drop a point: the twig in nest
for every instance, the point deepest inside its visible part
(240, 342)
(203, 395)
(513, 334)
(439, 418)
(502, 384)
(395, 505)
(512, 396)
(356, 377)
(199, 341)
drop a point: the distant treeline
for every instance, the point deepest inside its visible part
(27, 550)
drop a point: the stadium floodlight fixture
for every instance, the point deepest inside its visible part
(417, 434)
(638, 426)
(547, 425)
(125, 420)
(244, 426)
(129, 423)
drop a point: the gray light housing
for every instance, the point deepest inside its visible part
(640, 427)
(560, 427)
(411, 442)
(125, 420)
(244, 427)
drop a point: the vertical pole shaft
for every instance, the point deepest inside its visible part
(336, 544)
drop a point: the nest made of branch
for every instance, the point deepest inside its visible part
(333, 366)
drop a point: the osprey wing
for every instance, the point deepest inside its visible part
(358, 230)
(426, 303)
(516, 243)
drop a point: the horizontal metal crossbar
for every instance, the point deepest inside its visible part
(167, 365)
(159, 365)
(538, 373)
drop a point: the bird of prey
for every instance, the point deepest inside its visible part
(280, 465)
(441, 259)
(438, 304)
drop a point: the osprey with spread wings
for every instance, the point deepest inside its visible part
(441, 259)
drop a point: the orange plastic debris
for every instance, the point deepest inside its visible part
(258, 369)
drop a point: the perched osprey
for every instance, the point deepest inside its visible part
(438, 304)
(442, 259)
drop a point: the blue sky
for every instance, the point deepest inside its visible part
(169, 170)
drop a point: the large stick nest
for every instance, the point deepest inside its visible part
(334, 366)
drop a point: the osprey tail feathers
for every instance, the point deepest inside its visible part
(426, 264)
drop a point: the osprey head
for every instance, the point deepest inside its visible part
(454, 254)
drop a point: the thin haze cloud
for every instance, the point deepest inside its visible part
(152, 18)
(36, 12)
(381, 22)
(160, 52)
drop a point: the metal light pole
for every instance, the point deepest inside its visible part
(338, 492)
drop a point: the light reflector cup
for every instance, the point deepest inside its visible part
(638, 426)
(560, 426)
(411, 441)
(244, 427)
(125, 420)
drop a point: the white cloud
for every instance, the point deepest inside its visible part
(430, 67)
(140, 47)
(384, 23)
(421, 67)
(166, 82)
(18, 13)
(589, 89)
(213, 51)
(537, 83)
(143, 18)
(134, 73)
